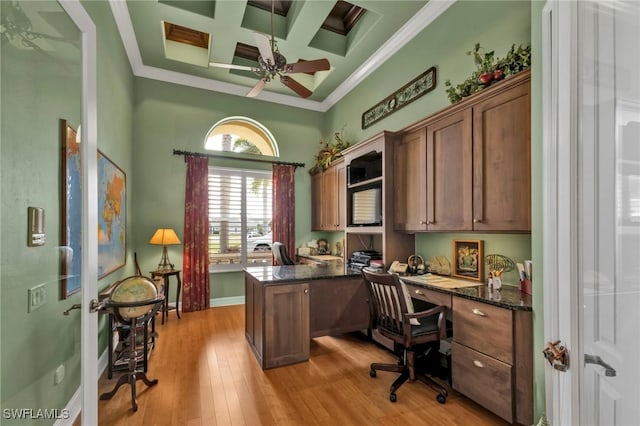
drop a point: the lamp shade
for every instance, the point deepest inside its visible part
(164, 236)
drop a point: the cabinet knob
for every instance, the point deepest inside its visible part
(478, 312)
(478, 363)
(430, 222)
(306, 290)
(477, 220)
(419, 292)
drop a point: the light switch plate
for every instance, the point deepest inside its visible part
(37, 297)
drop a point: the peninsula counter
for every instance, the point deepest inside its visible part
(286, 306)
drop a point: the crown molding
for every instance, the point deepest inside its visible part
(413, 27)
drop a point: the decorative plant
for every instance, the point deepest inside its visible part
(329, 151)
(489, 70)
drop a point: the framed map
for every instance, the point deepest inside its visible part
(112, 215)
(70, 212)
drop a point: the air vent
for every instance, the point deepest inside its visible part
(343, 17)
(186, 35)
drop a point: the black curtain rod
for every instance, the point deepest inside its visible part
(257, 160)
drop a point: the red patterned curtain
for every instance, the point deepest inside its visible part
(195, 263)
(284, 221)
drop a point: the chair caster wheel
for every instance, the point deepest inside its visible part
(393, 397)
(441, 399)
(372, 373)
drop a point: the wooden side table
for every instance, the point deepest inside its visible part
(165, 276)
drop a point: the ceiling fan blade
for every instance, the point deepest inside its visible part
(257, 89)
(308, 66)
(264, 46)
(295, 86)
(232, 66)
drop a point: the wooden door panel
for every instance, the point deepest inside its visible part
(449, 178)
(286, 324)
(502, 162)
(409, 182)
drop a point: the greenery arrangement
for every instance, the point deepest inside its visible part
(329, 152)
(490, 69)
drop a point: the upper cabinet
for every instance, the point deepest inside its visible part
(328, 198)
(502, 161)
(468, 167)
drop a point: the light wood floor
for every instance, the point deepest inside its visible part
(209, 376)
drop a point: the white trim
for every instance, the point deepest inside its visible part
(559, 205)
(89, 268)
(226, 301)
(412, 27)
(74, 406)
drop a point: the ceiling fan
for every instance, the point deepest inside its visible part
(273, 64)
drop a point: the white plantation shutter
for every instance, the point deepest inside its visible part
(239, 218)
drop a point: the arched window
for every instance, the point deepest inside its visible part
(239, 198)
(241, 134)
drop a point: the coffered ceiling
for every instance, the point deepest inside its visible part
(175, 40)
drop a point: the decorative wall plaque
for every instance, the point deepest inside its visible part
(422, 84)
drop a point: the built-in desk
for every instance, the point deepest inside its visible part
(492, 349)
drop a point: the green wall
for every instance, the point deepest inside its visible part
(37, 91)
(516, 247)
(496, 25)
(169, 116)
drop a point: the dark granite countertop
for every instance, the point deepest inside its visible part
(281, 274)
(509, 296)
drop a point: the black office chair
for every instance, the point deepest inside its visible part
(280, 254)
(392, 319)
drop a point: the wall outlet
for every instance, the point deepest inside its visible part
(58, 377)
(37, 297)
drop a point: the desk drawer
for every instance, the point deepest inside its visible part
(431, 296)
(483, 327)
(484, 379)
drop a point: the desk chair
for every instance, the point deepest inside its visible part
(280, 254)
(420, 331)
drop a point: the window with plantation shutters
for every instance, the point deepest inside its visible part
(239, 218)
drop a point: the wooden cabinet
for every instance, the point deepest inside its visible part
(338, 306)
(474, 159)
(493, 345)
(317, 199)
(383, 239)
(410, 176)
(328, 198)
(502, 161)
(277, 322)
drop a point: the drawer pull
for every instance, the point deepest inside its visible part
(419, 292)
(478, 363)
(477, 311)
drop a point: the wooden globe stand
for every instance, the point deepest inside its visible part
(133, 375)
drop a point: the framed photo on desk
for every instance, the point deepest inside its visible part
(467, 259)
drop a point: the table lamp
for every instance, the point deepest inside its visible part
(164, 237)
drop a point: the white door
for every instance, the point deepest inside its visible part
(89, 148)
(592, 209)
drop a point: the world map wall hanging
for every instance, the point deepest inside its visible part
(419, 86)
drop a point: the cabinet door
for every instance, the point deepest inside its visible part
(410, 179)
(329, 199)
(341, 196)
(316, 202)
(502, 162)
(286, 324)
(449, 177)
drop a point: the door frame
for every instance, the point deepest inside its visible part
(89, 268)
(560, 272)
